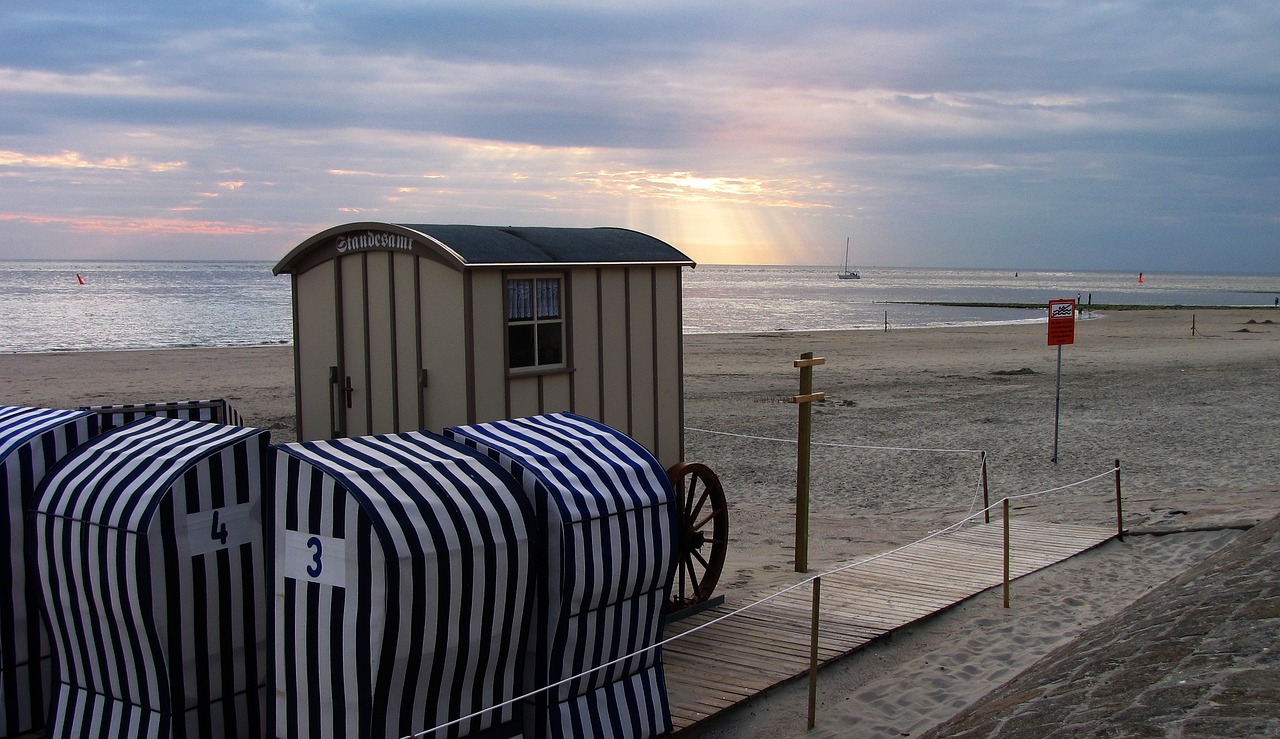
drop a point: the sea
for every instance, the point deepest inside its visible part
(62, 306)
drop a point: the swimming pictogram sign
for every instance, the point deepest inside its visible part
(1062, 322)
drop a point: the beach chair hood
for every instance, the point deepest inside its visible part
(403, 588)
(607, 520)
(32, 441)
(151, 560)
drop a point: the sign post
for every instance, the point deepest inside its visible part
(1062, 330)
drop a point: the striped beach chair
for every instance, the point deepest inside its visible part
(149, 542)
(216, 410)
(402, 587)
(607, 518)
(32, 440)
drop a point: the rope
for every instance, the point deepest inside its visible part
(762, 601)
(1111, 471)
(973, 502)
(977, 490)
(839, 446)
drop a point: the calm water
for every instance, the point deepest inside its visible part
(143, 305)
(742, 298)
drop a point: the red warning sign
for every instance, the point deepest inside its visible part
(1062, 322)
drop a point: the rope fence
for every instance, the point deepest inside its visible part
(815, 582)
(837, 445)
(982, 455)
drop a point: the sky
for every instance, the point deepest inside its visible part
(1047, 134)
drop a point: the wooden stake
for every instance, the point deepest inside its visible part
(1006, 552)
(813, 653)
(805, 400)
(986, 499)
(1119, 506)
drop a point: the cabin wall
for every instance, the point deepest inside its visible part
(380, 351)
(613, 360)
(315, 343)
(668, 324)
(641, 355)
(584, 342)
(488, 393)
(353, 359)
(408, 403)
(381, 319)
(424, 347)
(442, 327)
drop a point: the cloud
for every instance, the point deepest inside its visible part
(936, 132)
(75, 160)
(149, 226)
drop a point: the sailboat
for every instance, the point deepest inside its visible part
(847, 274)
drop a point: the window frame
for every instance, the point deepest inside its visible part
(536, 368)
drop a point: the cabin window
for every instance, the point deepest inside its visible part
(535, 322)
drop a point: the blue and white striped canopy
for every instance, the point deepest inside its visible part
(608, 519)
(402, 588)
(150, 551)
(216, 410)
(32, 440)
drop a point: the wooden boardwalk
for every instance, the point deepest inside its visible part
(733, 660)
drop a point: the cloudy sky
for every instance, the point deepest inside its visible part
(1046, 134)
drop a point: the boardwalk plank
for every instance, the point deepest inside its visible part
(731, 661)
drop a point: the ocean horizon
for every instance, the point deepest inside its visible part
(127, 305)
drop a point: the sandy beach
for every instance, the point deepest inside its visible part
(1191, 417)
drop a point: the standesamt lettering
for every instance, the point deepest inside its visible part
(372, 240)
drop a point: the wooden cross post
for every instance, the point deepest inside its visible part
(805, 363)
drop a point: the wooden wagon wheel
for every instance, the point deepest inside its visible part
(703, 536)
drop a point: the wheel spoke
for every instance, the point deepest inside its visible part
(696, 509)
(707, 519)
(693, 579)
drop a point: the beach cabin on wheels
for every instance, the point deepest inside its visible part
(401, 327)
(32, 441)
(150, 553)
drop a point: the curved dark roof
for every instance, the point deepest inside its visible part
(463, 246)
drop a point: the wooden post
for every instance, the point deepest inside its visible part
(1119, 506)
(986, 497)
(1006, 552)
(813, 653)
(805, 399)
